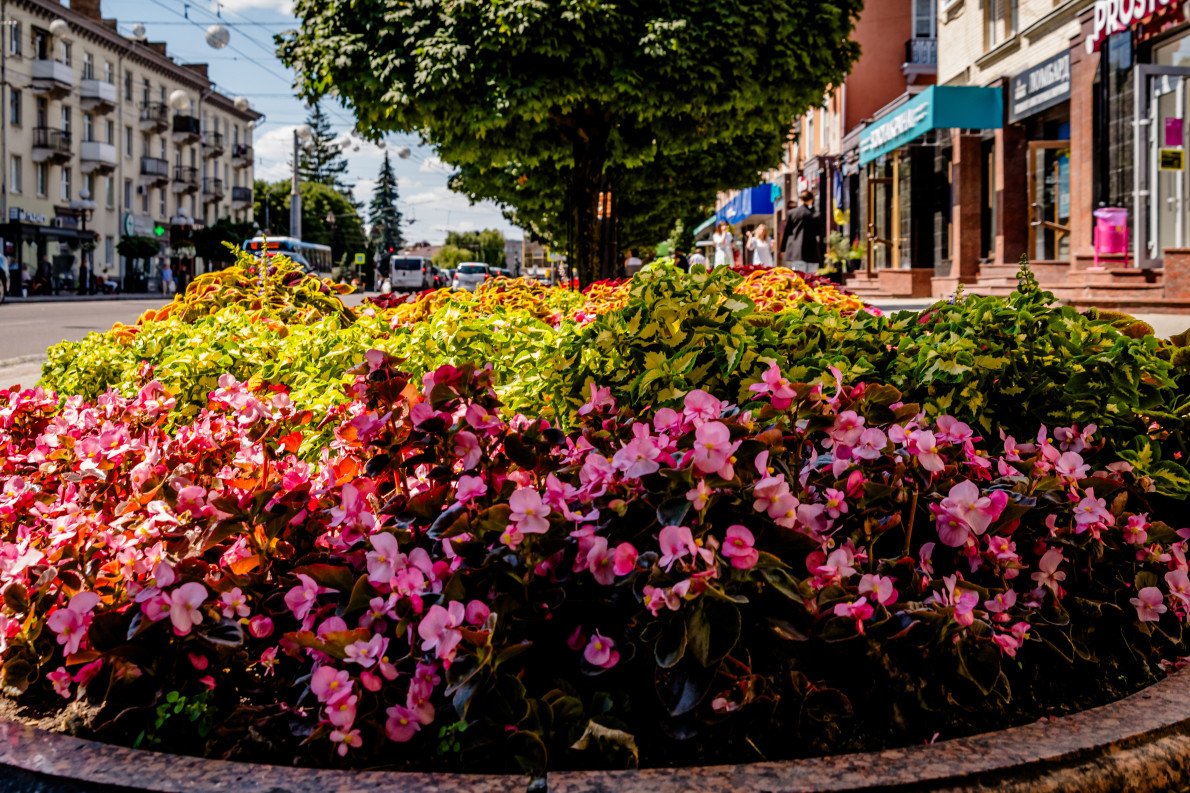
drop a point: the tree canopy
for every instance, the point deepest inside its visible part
(544, 106)
(383, 213)
(451, 256)
(482, 246)
(319, 201)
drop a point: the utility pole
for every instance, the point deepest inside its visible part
(295, 197)
(4, 113)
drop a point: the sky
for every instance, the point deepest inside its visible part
(248, 66)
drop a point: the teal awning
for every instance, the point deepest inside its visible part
(937, 107)
(706, 224)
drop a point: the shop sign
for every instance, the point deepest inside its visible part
(1040, 88)
(1172, 159)
(22, 216)
(1116, 16)
(138, 225)
(937, 107)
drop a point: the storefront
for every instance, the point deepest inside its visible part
(906, 185)
(48, 249)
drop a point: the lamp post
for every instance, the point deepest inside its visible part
(301, 136)
(83, 208)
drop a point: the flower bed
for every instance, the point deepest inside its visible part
(658, 548)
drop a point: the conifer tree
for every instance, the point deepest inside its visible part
(383, 213)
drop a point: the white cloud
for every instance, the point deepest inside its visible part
(433, 164)
(279, 6)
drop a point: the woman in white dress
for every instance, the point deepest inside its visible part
(761, 247)
(724, 256)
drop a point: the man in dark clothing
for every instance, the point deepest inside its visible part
(802, 239)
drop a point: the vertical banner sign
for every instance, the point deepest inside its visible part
(1174, 128)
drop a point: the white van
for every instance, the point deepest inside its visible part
(409, 273)
(469, 275)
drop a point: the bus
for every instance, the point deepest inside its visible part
(315, 259)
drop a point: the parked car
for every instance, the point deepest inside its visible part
(439, 278)
(409, 273)
(500, 272)
(448, 276)
(470, 275)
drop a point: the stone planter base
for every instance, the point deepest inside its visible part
(1141, 743)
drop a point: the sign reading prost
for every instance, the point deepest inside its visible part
(1116, 16)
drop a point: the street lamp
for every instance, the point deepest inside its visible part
(83, 208)
(301, 137)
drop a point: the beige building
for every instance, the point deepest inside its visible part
(91, 115)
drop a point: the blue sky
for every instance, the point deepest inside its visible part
(249, 67)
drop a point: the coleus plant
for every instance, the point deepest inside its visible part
(817, 569)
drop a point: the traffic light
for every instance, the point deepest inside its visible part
(390, 249)
(159, 230)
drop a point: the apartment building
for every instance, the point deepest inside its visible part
(90, 115)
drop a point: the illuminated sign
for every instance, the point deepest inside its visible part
(1116, 16)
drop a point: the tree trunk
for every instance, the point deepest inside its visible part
(586, 180)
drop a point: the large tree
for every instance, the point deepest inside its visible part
(543, 106)
(488, 245)
(383, 213)
(320, 203)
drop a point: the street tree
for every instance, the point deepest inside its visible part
(328, 217)
(383, 213)
(545, 106)
(488, 245)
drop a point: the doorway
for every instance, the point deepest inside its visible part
(1161, 203)
(1049, 200)
(884, 214)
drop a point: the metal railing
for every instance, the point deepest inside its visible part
(51, 138)
(243, 194)
(186, 175)
(212, 186)
(154, 166)
(921, 52)
(187, 124)
(156, 112)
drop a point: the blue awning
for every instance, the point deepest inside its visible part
(937, 107)
(747, 203)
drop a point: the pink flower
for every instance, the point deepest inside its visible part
(848, 428)
(836, 502)
(625, 559)
(477, 612)
(466, 448)
(979, 512)
(701, 406)
(638, 457)
(713, 449)
(1136, 529)
(71, 623)
(234, 604)
(260, 626)
(341, 712)
(329, 685)
(366, 653)
(772, 383)
(528, 512)
(1050, 576)
(1001, 603)
(346, 739)
(871, 445)
(1090, 511)
(302, 598)
(924, 446)
(952, 529)
(402, 724)
(1150, 604)
(738, 546)
(384, 560)
(699, 495)
(1179, 586)
(183, 606)
(61, 681)
(858, 610)
(601, 562)
(1070, 466)
(353, 513)
(882, 589)
(470, 488)
(480, 419)
(676, 542)
(601, 651)
(439, 629)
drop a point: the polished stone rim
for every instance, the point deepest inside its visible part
(1147, 733)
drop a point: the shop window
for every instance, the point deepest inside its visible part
(1000, 22)
(15, 173)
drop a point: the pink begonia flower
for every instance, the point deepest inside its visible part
(302, 598)
(183, 606)
(439, 629)
(1002, 548)
(738, 547)
(470, 488)
(638, 457)
(952, 430)
(1001, 603)
(601, 400)
(401, 725)
(341, 712)
(353, 512)
(329, 685)
(768, 491)
(1049, 575)
(925, 556)
(601, 561)
(192, 499)
(234, 604)
(952, 530)
(625, 558)
(924, 446)
(477, 612)
(1072, 439)
(260, 626)
(61, 681)
(528, 512)
(838, 566)
(780, 392)
(701, 407)
(848, 428)
(714, 449)
(667, 420)
(858, 610)
(480, 419)
(601, 651)
(836, 502)
(871, 444)
(657, 598)
(384, 560)
(1136, 530)
(676, 542)
(71, 623)
(467, 449)
(1091, 510)
(1179, 586)
(347, 739)
(1070, 466)
(1150, 604)
(965, 601)
(699, 495)
(979, 512)
(881, 589)
(1009, 643)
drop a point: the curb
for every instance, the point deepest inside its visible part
(20, 360)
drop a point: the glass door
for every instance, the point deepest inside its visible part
(1167, 144)
(1049, 200)
(883, 214)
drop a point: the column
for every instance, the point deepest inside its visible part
(1012, 194)
(965, 212)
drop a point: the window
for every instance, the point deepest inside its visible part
(163, 152)
(109, 192)
(127, 194)
(65, 188)
(109, 72)
(89, 185)
(809, 132)
(88, 66)
(109, 132)
(161, 93)
(924, 21)
(43, 111)
(41, 173)
(1000, 17)
(109, 248)
(14, 106)
(162, 205)
(40, 38)
(14, 174)
(144, 92)
(66, 115)
(67, 52)
(144, 200)
(14, 39)
(128, 142)
(127, 86)
(88, 126)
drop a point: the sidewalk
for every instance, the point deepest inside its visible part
(24, 371)
(88, 298)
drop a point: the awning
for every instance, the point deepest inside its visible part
(937, 107)
(755, 201)
(706, 224)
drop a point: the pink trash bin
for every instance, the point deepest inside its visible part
(1111, 233)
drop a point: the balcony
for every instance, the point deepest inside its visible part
(187, 129)
(97, 157)
(212, 190)
(51, 145)
(154, 117)
(97, 96)
(185, 179)
(52, 78)
(212, 144)
(241, 197)
(921, 58)
(154, 171)
(241, 155)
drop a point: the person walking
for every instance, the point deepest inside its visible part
(724, 245)
(802, 240)
(761, 247)
(168, 287)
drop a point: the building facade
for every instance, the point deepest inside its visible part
(93, 116)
